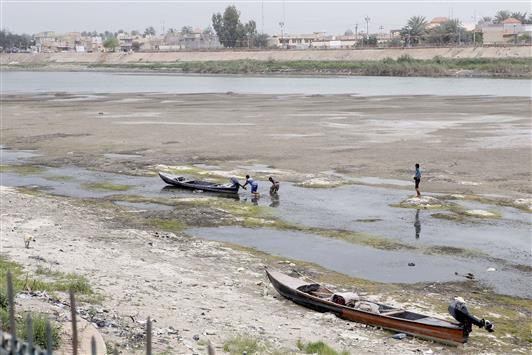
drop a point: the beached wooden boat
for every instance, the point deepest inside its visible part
(320, 298)
(179, 181)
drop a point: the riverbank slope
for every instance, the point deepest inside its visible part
(506, 62)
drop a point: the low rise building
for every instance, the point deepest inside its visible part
(509, 31)
(300, 41)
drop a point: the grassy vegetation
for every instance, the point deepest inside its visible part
(59, 178)
(402, 66)
(39, 321)
(318, 348)
(105, 186)
(21, 169)
(242, 343)
(170, 225)
(21, 283)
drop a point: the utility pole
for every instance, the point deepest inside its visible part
(281, 24)
(367, 27)
(356, 34)
(262, 16)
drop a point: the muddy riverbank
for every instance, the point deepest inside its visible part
(469, 144)
(198, 291)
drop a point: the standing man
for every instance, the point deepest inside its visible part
(417, 180)
(254, 185)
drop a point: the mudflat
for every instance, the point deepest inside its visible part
(467, 144)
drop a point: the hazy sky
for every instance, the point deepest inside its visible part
(333, 17)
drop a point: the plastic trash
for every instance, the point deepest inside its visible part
(399, 336)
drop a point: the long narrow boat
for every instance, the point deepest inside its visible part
(319, 298)
(179, 181)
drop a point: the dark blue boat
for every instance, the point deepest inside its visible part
(180, 181)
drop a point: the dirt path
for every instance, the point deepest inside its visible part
(189, 287)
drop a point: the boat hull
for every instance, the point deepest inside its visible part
(451, 334)
(198, 185)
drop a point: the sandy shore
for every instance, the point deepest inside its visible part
(464, 144)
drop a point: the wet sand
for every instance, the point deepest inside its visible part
(474, 144)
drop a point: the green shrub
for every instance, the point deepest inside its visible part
(39, 321)
(319, 348)
(240, 343)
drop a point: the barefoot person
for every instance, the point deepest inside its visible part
(417, 180)
(275, 186)
(254, 185)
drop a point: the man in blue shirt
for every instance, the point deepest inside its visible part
(417, 180)
(254, 185)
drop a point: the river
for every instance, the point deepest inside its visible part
(112, 82)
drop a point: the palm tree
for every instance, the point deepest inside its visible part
(485, 20)
(501, 15)
(521, 16)
(415, 28)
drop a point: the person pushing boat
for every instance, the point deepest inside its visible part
(254, 185)
(275, 186)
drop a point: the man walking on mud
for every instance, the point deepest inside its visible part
(417, 180)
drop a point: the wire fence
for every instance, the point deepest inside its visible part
(12, 345)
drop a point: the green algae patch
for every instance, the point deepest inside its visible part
(22, 169)
(361, 239)
(170, 225)
(523, 204)
(59, 178)
(142, 199)
(321, 184)
(105, 186)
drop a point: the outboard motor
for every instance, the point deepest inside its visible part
(235, 181)
(458, 310)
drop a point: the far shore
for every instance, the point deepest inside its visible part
(490, 62)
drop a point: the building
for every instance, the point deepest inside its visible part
(125, 42)
(196, 39)
(507, 32)
(436, 22)
(45, 41)
(335, 42)
(300, 41)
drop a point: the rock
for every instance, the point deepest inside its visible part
(480, 213)
(422, 202)
(524, 202)
(240, 269)
(292, 265)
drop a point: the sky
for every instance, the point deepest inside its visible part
(332, 17)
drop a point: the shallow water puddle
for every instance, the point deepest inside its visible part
(356, 208)
(351, 207)
(365, 262)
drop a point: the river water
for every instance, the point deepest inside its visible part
(107, 82)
